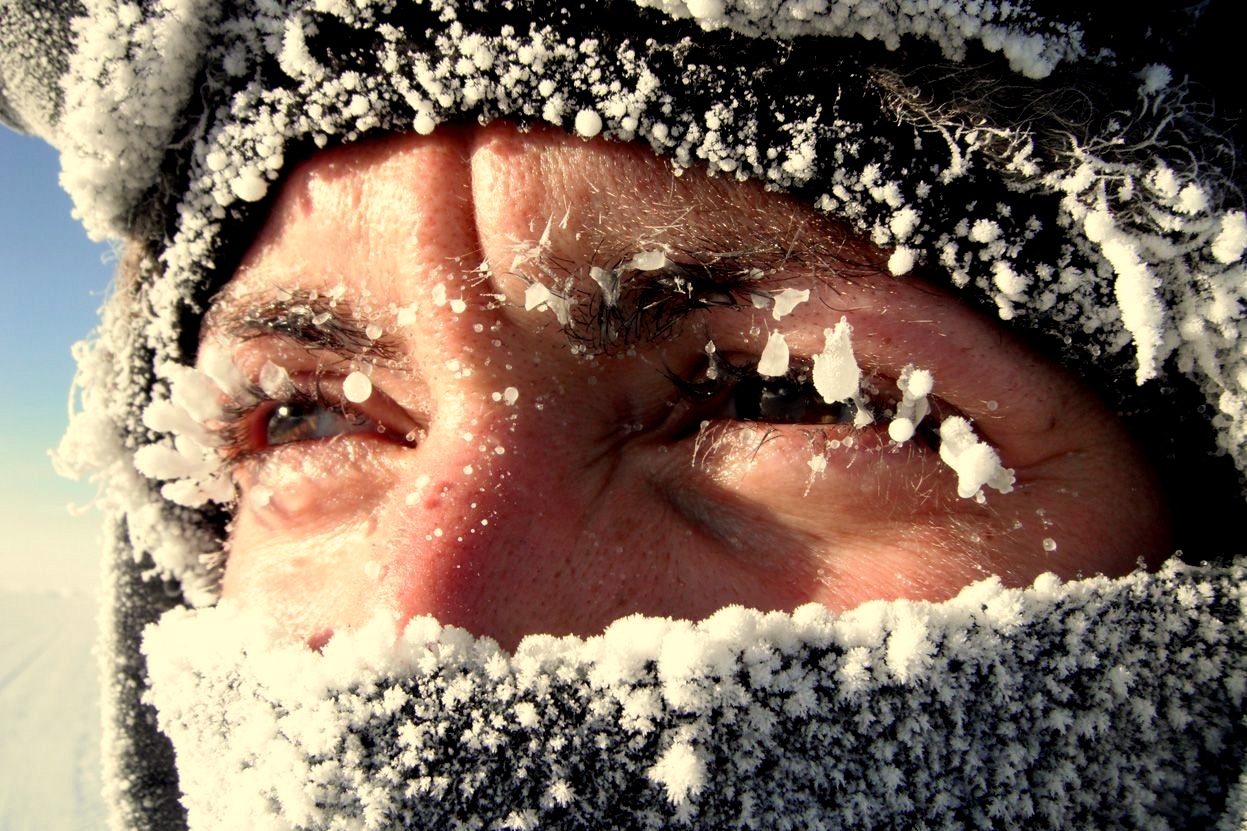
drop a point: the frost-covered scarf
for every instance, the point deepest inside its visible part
(1099, 704)
(1116, 232)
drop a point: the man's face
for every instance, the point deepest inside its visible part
(460, 413)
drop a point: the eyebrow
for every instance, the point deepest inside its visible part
(313, 320)
(653, 303)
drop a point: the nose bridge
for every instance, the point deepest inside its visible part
(487, 522)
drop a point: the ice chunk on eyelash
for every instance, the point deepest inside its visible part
(788, 299)
(915, 385)
(275, 381)
(607, 280)
(649, 260)
(539, 296)
(975, 462)
(535, 295)
(781, 303)
(837, 377)
(357, 387)
(774, 360)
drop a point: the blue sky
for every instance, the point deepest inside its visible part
(54, 280)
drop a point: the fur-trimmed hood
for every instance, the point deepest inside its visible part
(1074, 172)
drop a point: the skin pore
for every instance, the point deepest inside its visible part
(535, 456)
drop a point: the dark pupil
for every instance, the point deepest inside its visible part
(787, 400)
(299, 421)
(291, 423)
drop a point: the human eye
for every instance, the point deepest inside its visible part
(311, 407)
(733, 389)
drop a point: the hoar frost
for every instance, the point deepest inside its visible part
(837, 377)
(976, 463)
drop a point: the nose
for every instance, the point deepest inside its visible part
(531, 504)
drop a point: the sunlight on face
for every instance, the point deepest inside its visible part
(528, 383)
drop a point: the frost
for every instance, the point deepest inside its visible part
(785, 300)
(1231, 239)
(681, 772)
(188, 462)
(837, 377)
(357, 387)
(588, 123)
(774, 360)
(901, 261)
(782, 708)
(976, 463)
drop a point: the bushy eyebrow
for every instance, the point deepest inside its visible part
(311, 319)
(653, 303)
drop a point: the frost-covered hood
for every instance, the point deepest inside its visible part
(1091, 199)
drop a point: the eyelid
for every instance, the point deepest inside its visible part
(243, 430)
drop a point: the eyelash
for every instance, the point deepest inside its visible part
(720, 383)
(245, 430)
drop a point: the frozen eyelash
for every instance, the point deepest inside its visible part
(719, 378)
(235, 430)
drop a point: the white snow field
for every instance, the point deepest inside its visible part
(49, 712)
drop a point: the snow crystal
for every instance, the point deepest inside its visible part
(1155, 77)
(785, 300)
(1231, 239)
(357, 387)
(510, 395)
(901, 429)
(654, 260)
(588, 123)
(984, 231)
(774, 360)
(681, 772)
(837, 377)
(915, 385)
(780, 708)
(901, 261)
(250, 185)
(976, 463)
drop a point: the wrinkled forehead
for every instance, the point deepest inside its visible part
(539, 182)
(504, 199)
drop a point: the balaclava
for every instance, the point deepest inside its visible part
(1073, 170)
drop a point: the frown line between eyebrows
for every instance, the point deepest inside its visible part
(312, 320)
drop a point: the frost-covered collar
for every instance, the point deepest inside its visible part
(1095, 704)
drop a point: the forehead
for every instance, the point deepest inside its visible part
(379, 214)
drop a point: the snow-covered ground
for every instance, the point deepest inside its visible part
(49, 712)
